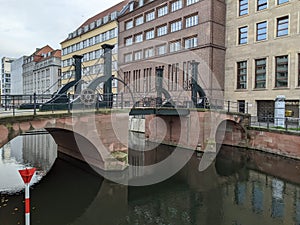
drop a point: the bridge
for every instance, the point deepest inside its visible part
(100, 137)
(94, 126)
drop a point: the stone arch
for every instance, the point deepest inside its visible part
(230, 132)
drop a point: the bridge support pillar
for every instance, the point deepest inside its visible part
(108, 95)
(159, 85)
(194, 81)
(78, 74)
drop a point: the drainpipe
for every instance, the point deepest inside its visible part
(108, 95)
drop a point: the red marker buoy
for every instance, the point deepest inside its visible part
(26, 175)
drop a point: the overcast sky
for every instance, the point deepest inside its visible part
(29, 24)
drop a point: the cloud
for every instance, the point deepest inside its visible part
(28, 24)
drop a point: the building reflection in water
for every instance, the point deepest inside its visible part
(39, 151)
(247, 195)
(29, 150)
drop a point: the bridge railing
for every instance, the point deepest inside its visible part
(272, 123)
(12, 104)
(30, 104)
(184, 102)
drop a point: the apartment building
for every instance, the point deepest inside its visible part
(87, 40)
(172, 34)
(42, 71)
(263, 54)
(6, 76)
(16, 76)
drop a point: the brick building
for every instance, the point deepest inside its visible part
(172, 34)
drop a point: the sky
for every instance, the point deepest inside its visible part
(29, 24)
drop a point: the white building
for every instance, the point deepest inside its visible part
(16, 76)
(5, 77)
(42, 71)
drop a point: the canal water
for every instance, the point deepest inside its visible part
(242, 187)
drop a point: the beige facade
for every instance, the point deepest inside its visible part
(87, 40)
(172, 34)
(262, 54)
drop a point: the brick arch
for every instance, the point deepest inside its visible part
(76, 145)
(93, 130)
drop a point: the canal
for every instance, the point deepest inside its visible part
(241, 187)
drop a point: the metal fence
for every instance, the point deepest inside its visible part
(287, 123)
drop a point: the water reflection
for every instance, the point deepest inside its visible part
(36, 150)
(243, 187)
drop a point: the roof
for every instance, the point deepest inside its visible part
(41, 54)
(115, 8)
(102, 14)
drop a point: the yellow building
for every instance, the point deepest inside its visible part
(87, 41)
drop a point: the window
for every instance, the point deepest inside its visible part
(127, 80)
(85, 44)
(113, 15)
(191, 21)
(128, 57)
(138, 55)
(149, 53)
(281, 1)
(163, 30)
(150, 16)
(175, 46)
(190, 42)
(149, 34)
(176, 5)
(138, 38)
(113, 33)
(92, 55)
(137, 80)
(139, 20)
(282, 26)
(162, 11)
(173, 72)
(128, 41)
(128, 25)
(243, 35)
(242, 75)
(161, 50)
(260, 73)
(241, 105)
(147, 80)
(190, 2)
(176, 26)
(262, 4)
(261, 31)
(141, 3)
(243, 7)
(281, 71)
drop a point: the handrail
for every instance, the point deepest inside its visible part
(30, 104)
